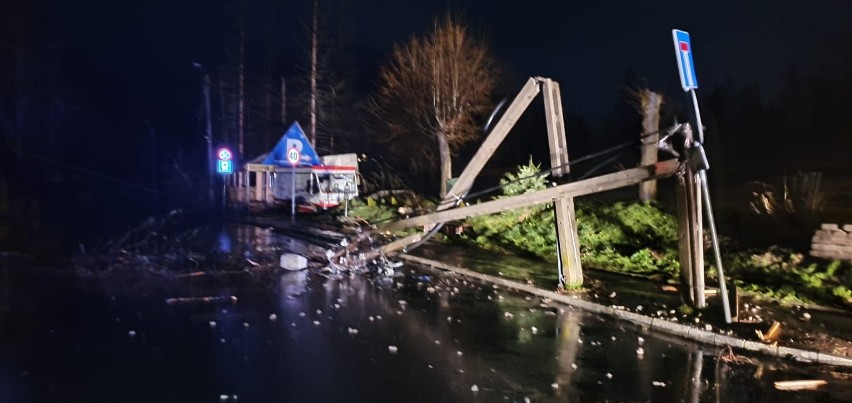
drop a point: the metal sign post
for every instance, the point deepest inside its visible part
(225, 167)
(689, 82)
(293, 157)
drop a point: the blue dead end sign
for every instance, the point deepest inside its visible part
(685, 65)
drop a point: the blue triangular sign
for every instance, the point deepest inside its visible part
(293, 137)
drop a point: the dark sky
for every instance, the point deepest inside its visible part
(140, 52)
(589, 45)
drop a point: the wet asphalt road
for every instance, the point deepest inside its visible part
(419, 336)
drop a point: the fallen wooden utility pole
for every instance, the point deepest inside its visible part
(491, 143)
(572, 189)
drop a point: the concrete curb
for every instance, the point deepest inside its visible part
(657, 324)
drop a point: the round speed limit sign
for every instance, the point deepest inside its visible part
(293, 156)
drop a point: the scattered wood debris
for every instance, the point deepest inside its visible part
(196, 300)
(800, 384)
(731, 358)
(772, 335)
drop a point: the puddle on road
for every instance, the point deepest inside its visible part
(420, 336)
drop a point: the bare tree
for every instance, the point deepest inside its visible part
(433, 87)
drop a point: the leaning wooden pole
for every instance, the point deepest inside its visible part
(570, 269)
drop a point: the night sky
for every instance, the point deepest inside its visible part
(145, 49)
(130, 63)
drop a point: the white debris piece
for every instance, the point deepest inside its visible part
(293, 262)
(534, 330)
(392, 349)
(640, 352)
(608, 375)
(316, 323)
(212, 323)
(273, 316)
(474, 388)
(554, 385)
(352, 331)
(131, 333)
(659, 384)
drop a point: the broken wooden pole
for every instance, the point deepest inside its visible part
(567, 238)
(690, 239)
(486, 150)
(650, 102)
(569, 242)
(597, 184)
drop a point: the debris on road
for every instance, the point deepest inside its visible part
(293, 262)
(800, 384)
(195, 300)
(772, 335)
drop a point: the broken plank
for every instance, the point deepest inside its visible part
(195, 300)
(800, 384)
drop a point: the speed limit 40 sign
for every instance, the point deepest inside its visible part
(293, 156)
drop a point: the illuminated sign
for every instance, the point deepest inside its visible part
(224, 166)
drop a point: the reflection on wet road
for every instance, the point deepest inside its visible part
(420, 336)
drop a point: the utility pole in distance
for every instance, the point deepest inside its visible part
(208, 131)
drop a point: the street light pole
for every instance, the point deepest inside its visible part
(208, 131)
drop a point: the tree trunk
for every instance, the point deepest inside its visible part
(313, 136)
(242, 79)
(446, 161)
